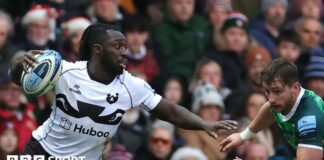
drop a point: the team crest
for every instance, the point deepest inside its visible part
(112, 98)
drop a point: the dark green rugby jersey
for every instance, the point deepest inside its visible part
(304, 125)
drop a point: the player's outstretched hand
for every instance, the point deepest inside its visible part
(29, 60)
(212, 127)
(233, 140)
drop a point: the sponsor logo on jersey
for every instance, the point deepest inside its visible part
(306, 125)
(79, 128)
(88, 110)
(89, 131)
(65, 124)
(112, 98)
(75, 89)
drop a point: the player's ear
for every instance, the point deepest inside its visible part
(97, 48)
(296, 86)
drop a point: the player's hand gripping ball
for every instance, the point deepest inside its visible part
(43, 76)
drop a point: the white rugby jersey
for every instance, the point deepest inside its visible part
(87, 113)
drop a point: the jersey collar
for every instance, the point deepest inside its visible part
(293, 110)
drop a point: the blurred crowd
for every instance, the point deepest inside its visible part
(206, 55)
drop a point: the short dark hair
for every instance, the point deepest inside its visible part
(95, 33)
(135, 23)
(288, 36)
(280, 68)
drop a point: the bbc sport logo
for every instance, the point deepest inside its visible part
(41, 157)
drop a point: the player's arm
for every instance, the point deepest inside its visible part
(185, 119)
(262, 120)
(304, 153)
(22, 62)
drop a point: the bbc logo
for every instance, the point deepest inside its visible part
(25, 157)
(41, 157)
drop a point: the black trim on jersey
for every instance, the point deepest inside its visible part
(130, 96)
(88, 110)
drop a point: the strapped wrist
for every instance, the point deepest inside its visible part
(247, 134)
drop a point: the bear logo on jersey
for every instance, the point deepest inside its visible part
(111, 98)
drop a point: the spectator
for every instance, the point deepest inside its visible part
(235, 33)
(179, 38)
(188, 153)
(265, 28)
(160, 142)
(209, 71)
(217, 12)
(38, 23)
(288, 45)
(72, 31)
(140, 57)
(7, 50)
(230, 58)
(208, 105)
(174, 89)
(13, 108)
(314, 76)
(309, 30)
(307, 8)
(106, 11)
(8, 139)
(256, 59)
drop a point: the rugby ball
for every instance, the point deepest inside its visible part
(43, 77)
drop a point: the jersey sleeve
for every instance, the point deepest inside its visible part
(142, 94)
(310, 131)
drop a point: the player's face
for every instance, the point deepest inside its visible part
(281, 96)
(114, 52)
